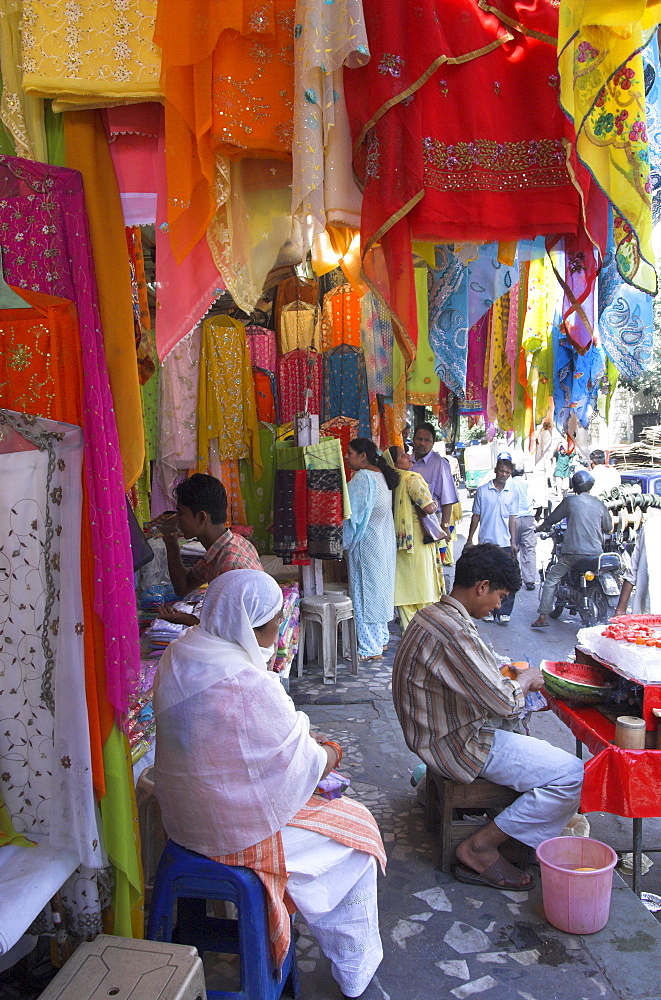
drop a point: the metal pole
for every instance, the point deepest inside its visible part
(637, 854)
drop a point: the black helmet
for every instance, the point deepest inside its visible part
(582, 481)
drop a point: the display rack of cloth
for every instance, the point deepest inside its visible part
(345, 429)
(298, 371)
(345, 386)
(377, 342)
(266, 395)
(177, 419)
(300, 327)
(226, 412)
(294, 289)
(340, 317)
(258, 496)
(261, 347)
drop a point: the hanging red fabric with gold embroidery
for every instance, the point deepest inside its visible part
(458, 135)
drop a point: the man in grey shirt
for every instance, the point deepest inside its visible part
(588, 521)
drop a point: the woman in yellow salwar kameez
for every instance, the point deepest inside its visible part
(418, 570)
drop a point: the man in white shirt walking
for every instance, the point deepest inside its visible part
(495, 508)
(526, 536)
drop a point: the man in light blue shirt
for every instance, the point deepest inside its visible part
(436, 472)
(495, 507)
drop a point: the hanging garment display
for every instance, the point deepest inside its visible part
(261, 347)
(448, 319)
(258, 496)
(133, 131)
(325, 513)
(340, 317)
(298, 372)
(504, 179)
(264, 383)
(577, 380)
(44, 206)
(345, 386)
(226, 411)
(377, 343)
(602, 90)
(290, 515)
(45, 745)
(185, 289)
(228, 81)
(300, 327)
(21, 115)
(422, 382)
(110, 56)
(87, 151)
(327, 37)
(293, 289)
(626, 319)
(474, 401)
(177, 419)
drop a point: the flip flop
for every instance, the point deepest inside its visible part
(540, 624)
(492, 875)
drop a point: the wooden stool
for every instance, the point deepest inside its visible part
(444, 796)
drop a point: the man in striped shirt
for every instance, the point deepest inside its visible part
(457, 712)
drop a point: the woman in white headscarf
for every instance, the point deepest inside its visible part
(236, 771)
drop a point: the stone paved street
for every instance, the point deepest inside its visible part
(442, 938)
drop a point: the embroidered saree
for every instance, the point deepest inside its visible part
(327, 37)
(436, 66)
(226, 414)
(228, 82)
(603, 93)
(87, 55)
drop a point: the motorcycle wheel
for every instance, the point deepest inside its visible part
(600, 607)
(557, 611)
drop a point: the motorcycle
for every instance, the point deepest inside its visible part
(591, 588)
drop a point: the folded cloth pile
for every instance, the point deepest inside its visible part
(289, 627)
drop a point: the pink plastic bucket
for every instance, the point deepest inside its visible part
(576, 901)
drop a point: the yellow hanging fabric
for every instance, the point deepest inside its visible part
(602, 90)
(87, 151)
(226, 411)
(22, 115)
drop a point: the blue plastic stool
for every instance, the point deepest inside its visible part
(191, 879)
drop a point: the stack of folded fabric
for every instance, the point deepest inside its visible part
(161, 634)
(150, 601)
(288, 635)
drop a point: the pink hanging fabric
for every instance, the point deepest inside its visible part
(261, 347)
(297, 371)
(184, 291)
(133, 132)
(45, 243)
(475, 401)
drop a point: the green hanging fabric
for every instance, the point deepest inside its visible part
(258, 496)
(121, 837)
(54, 136)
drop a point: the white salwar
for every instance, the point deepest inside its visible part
(235, 762)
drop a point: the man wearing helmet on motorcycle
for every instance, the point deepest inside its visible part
(588, 521)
